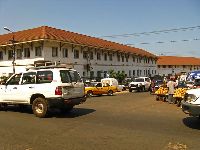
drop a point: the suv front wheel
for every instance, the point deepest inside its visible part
(40, 107)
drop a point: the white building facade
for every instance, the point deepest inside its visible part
(92, 61)
(172, 65)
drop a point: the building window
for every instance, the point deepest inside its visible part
(137, 60)
(98, 56)
(76, 54)
(83, 74)
(10, 54)
(26, 53)
(122, 58)
(110, 57)
(99, 74)
(65, 52)
(164, 66)
(91, 74)
(85, 54)
(158, 66)
(54, 52)
(133, 72)
(19, 53)
(1, 55)
(91, 55)
(105, 74)
(133, 59)
(169, 66)
(118, 57)
(38, 51)
(126, 58)
(105, 56)
(129, 73)
(144, 72)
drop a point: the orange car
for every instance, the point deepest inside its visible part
(99, 89)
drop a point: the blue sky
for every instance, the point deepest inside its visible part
(112, 17)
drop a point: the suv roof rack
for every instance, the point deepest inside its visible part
(48, 67)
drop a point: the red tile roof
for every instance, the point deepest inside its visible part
(174, 60)
(49, 33)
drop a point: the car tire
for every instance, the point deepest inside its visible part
(130, 90)
(89, 94)
(110, 93)
(3, 107)
(40, 107)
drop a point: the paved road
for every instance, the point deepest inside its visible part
(121, 122)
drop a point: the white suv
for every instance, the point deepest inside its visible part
(44, 88)
(140, 84)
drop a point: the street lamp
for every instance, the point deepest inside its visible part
(13, 44)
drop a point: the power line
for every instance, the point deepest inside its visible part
(162, 42)
(152, 32)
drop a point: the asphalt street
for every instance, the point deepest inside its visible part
(125, 121)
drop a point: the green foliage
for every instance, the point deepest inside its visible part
(3, 78)
(120, 76)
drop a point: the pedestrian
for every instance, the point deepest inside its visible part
(171, 88)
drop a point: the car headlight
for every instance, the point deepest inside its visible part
(190, 98)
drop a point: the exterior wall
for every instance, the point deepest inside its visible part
(165, 70)
(141, 67)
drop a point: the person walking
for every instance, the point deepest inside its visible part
(171, 88)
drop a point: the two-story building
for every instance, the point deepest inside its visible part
(92, 57)
(170, 65)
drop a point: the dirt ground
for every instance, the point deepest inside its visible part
(124, 121)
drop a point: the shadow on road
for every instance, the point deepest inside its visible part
(76, 112)
(192, 122)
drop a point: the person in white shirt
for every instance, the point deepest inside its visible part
(171, 88)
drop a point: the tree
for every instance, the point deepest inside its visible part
(120, 76)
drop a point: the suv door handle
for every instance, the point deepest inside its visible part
(15, 88)
(30, 87)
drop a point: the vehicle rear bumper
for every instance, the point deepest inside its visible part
(191, 109)
(59, 102)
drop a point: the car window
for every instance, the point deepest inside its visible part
(139, 80)
(44, 77)
(99, 85)
(14, 80)
(68, 76)
(29, 78)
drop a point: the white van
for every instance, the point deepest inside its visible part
(191, 102)
(110, 81)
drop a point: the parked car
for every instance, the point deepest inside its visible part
(44, 88)
(191, 102)
(140, 84)
(99, 89)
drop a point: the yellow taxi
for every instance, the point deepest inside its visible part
(99, 89)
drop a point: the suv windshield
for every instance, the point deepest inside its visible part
(68, 76)
(139, 80)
